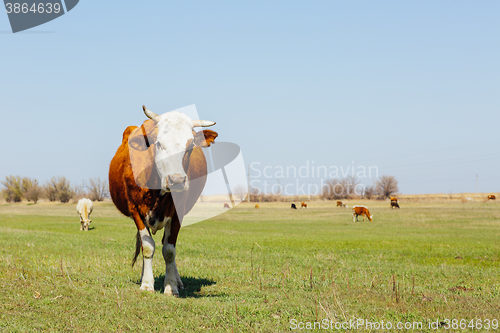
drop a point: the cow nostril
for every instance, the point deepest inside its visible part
(176, 179)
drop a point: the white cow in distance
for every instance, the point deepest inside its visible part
(84, 208)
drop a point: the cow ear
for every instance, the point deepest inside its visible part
(143, 137)
(204, 138)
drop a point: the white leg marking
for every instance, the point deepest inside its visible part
(148, 251)
(171, 273)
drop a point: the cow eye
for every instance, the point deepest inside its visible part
(158, 145)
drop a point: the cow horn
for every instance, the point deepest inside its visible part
(151, 114)
(203, 123)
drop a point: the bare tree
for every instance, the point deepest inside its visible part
(34, 193)
(370, 192)
(386, 186)
(13, 190)
(98, 189)
(31, 190)
(51, 190)
(254, 194)
(340, 188)
(350, 184)
(333, 189)
(59, 188)
(240, 191)
(64, 190)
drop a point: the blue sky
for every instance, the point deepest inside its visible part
(409, 87)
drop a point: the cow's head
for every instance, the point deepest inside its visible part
(86, 224)
(174, 139)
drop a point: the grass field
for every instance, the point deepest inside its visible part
(252, 270)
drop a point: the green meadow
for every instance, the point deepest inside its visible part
(254, 270)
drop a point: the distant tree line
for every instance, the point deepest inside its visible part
(335, 189)
(17, 188)
(348, 187)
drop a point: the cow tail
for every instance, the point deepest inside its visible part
(138, 245)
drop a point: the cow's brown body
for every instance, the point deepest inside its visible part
(361, 210)
(491, 197)
(144, 204)
(303, 205)
(257, 206)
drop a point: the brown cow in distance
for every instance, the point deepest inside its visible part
(492, 197)
(257, 206)
(166, 150)
(341, 204)
(226, 206)
(303, 204)
(361, 210)
(394, 202)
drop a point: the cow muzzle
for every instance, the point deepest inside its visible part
(177, 182)
(86, 224)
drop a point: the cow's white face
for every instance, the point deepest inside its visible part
(173, 146)
(175, 136)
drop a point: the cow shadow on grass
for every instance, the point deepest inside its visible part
(192, 286)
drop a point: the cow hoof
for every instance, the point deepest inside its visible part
(170, 292)
(147, 288)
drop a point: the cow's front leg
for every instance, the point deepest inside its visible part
(171, 274)
(148, 250)
(173, 281)
(180, 285)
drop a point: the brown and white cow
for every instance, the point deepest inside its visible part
(361, 210)
(394, 202)
(257, 206)
(84, 209)
(341, 204)
(303, 204)
(167, 149)
(491, 197)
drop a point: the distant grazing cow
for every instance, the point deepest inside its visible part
(257, 206)
(84, 208)
(303, 204)
(173, 171)
(394, 203)
(293, 206)
(341, 204)
(226, 206)
(492, 197)
(361, 210)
